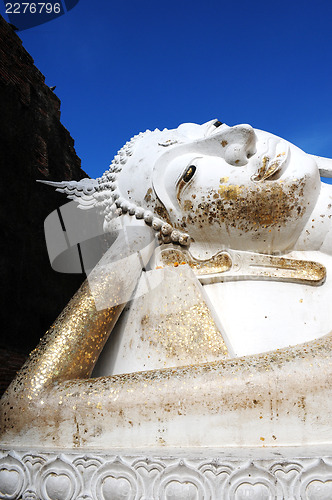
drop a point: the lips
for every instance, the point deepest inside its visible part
(272, 164)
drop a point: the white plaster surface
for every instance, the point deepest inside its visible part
(259, 316)
(256, 424)
(172, 475)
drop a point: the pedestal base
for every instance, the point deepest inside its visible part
(182, 474)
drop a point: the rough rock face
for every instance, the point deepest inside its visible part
(33, 145)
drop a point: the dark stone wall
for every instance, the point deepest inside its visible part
(33, 145)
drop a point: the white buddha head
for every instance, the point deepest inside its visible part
(213, 186)
(208, 186)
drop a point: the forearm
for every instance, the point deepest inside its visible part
(70, 349)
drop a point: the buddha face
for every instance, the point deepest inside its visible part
(241, 188)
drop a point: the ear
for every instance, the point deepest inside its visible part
(324, 165)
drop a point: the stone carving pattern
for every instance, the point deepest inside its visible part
(72, 476)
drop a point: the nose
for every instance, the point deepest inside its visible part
(240, 145)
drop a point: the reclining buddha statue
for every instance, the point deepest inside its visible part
(206, 325)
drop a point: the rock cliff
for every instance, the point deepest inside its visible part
(33, 145)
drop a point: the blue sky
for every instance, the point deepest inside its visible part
(122, 67)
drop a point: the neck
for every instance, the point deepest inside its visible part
(317, 233)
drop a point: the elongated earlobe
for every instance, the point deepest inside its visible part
(324, 165)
